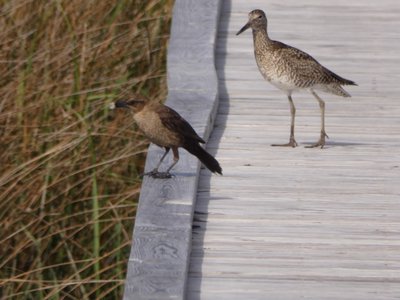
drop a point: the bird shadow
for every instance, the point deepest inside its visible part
(339, 144)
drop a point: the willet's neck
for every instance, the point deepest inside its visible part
(260, 36)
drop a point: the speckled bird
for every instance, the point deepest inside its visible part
(291, 69)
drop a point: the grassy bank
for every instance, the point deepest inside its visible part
(69, 167)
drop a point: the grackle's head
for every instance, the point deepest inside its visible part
(135, 104)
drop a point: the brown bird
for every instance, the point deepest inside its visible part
(164, 127)
(291, 69)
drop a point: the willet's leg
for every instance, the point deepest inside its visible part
(321, 141)
(292, 141)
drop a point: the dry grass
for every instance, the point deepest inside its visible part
(69, 167)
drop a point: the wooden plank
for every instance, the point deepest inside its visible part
(227, 289)
(158, 263)
(287, 223)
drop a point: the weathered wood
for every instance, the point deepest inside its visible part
(304, 223)
(159, 258)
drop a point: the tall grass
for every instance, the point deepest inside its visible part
(68, 167)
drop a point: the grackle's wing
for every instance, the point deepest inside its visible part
(174, 122)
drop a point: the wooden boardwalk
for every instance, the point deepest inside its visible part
(304, 223)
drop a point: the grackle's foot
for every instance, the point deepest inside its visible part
(158, 175)
(161, 175)
(151, 173)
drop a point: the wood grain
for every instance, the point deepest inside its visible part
(159, 258)
(304, 223)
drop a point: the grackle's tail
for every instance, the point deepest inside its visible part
(210, 162)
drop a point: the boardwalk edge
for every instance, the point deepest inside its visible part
(160, 253)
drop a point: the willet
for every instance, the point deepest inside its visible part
(291, 69)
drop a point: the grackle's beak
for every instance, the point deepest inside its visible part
(121, 104)
(244, 28)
